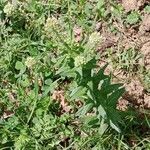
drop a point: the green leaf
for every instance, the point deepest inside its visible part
(59, 61)
(100, 4)
(103, 127)
(99, 76)
(110, 88)
(114, 126)
(48, 82)
(133, 18)
(91, 121)
(91, 95)
(68, 73)
(83, 110)
(147, 9)
(78, 92)
(25, 81)
(91, 64)
(113, 98)
(19, 65)
(50, 88)
(101, 111)
(117, 10)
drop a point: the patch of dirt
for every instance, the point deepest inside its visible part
(145, 50)
(130, 5)
(145, 25)
(134, 92)
(122, 105)
(59, 96)
(78, 34)
(136, 37)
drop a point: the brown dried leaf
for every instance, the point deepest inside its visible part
(98, 26)
(12, 98)
(77, 33)
(59, 96)
(122, 105)
(7, 114)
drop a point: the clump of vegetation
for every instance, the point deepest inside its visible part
(53, 94)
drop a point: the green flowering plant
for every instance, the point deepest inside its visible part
(30, 62)
(99, 95)
(53, 94)
(79, 60)
(9, 9)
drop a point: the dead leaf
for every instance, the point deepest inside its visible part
(122, 105)
(59, 96)
(7, 114)
(98, 26)
(77, 34)
(12, 98)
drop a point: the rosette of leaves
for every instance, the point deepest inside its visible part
(99, 96)
(133, 18)
(91, 86)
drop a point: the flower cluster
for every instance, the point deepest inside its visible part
(79, 60)
(30, 62)
(50, 23)
(94, 38)
(9, 9)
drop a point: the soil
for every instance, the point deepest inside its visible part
(136, 37)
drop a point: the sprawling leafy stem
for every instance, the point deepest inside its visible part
(100, 96)
(94, 88)
(33, 66)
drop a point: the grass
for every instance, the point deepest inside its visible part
(53, 94)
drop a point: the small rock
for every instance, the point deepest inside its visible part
(98, 26)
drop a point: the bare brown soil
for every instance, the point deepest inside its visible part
(136, 37)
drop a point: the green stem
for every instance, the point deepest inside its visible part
(36, 99)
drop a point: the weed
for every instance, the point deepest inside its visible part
(53, 95)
